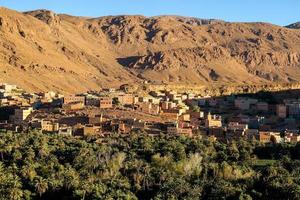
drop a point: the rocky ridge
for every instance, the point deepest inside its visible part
(41, 50)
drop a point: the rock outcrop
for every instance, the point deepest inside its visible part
(294, 25)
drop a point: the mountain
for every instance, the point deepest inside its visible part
(294, 25)
(41, 50)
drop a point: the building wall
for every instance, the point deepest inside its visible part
(148, 108)
(169, 116)
(74, 99)
(106, 102)
(92, 102)
(126, 99)
(49, 126)
(281, 111)
(185, 117)
(73, 106)
(95, 120)
(185, 131)
(264, 137)
(237, 126)
(21, 115)
(172, 130)
(213, 121)
(67, 131)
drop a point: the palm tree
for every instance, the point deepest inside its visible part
(16, 193)
(28, 172)
(13, 187)
(2, 149)
(71, 178)
(41, 185)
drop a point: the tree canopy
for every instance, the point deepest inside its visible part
(44, 166)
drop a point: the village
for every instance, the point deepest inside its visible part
(110, 111)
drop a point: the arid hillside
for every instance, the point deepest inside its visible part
(41, 50)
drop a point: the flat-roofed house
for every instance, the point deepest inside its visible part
(106, 102)
(292, 138)
(91, 130)
(20, 115)
(65, 130)
(74, 99)
(49, 126)
(126, 99)
(268, 136)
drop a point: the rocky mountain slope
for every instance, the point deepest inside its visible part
(41, 50)
(294, 25)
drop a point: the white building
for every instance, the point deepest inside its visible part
(66, 131)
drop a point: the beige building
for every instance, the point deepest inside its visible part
(213, 121)
(106, 102)
(96, 119)
(20, 115)
(267, 137)
(74, 99)
(49, 95)
(169, 116)
(292, 138)
(73, 106)
(148, 108)
(7, 87)
(188, 131)
(180, 131)
(264, 137)
(185, 117)
(49, 126)
(126, 99)
(90, 130)
(233, 126)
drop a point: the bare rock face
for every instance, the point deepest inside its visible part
(41, 50)
(1, 21)
(252, 58)
(175, 59)
(45, 16)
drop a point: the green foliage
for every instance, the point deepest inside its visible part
(195, 108)
(38, 166)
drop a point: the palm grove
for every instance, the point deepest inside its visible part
(137, 166)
